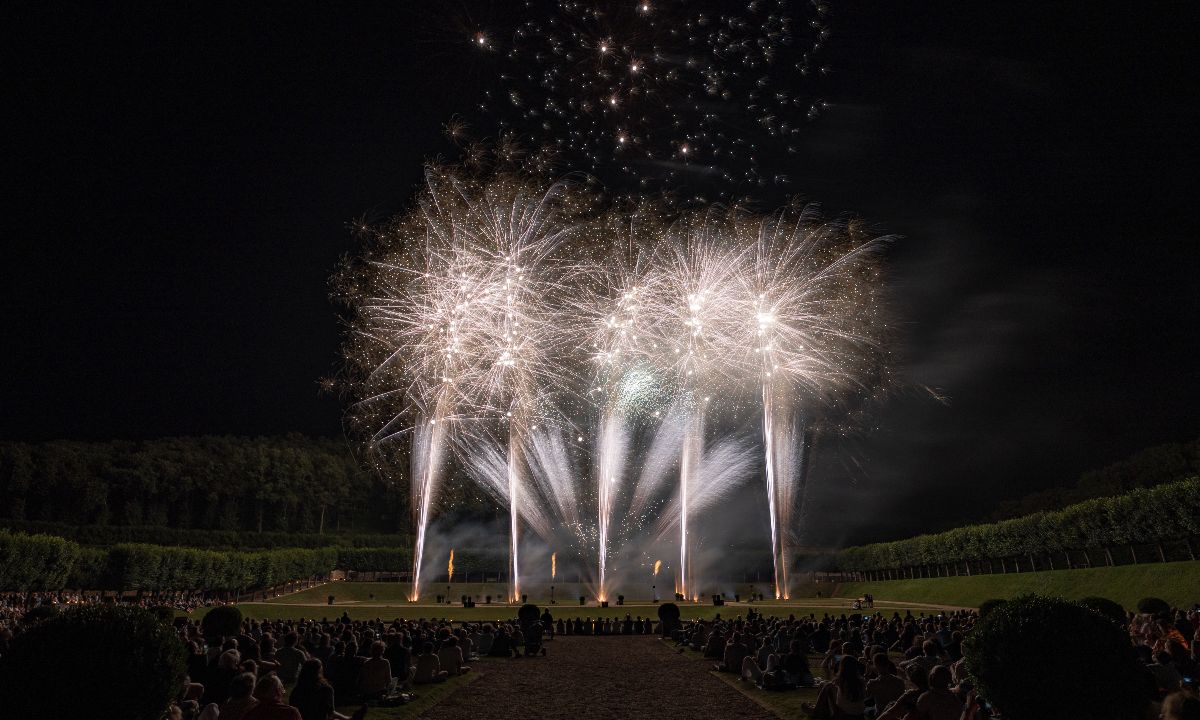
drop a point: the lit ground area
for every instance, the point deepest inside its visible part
(365, 600)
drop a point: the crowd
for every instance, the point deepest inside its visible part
(902, 667)
(13, 606)
(910, 667)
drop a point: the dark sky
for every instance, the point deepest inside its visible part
(180, 183)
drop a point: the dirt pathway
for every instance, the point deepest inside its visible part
(598, 677)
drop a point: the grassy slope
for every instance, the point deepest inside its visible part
(1177, 583)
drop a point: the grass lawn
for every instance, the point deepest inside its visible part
(396, 593)
(1178, 583)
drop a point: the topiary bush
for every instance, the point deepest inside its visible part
(117, 662)
(1108, 608)
(1153, 606)
(222, 620)
(1041, 658)
(528, 614)
(668, 617)
(987, 606)
(39, 613)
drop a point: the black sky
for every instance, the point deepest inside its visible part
(180, 181)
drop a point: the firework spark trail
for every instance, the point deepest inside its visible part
(428, 440)
(553, 566)
(694, 319)
(450, 567)
(812, 329)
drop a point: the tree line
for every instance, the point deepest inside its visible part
(290, 483)
(1147, 468)
(1162, 518)
(47, 562)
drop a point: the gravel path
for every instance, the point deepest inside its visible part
(598, 677)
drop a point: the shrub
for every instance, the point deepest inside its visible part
(35, 562)
(164, 614)
(1108, 608)
(668, 617)
(39, 613)
(1153, 606)
(528, 614)
(1090, 672)
(115, 661)
(987, 606)
(222, 620)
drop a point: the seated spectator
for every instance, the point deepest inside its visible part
(907, 703)
(886, 687)
(930, 656)
(1166, 676)
(429, 668)
(241, 698)
(269, 694)
(485, 639)
(844, 698)
(795, 666)
(735, 652)
(375, 675)
(450, 657)
(313, 695)
(938, 702)
(290, 658)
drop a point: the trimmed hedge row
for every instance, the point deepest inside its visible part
(1158, 515)
(106, 535)
(35, 562)
(45, 562)
(152, 567)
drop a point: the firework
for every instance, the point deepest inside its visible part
(811, 322)
(501, 314)
(649, 90)
(553, 565)
(450, 567)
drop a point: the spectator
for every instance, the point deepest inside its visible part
(241, 698)
(375, 675)
(290, 658)
(450, 658)
(313, 695)
(844, 698)
(886, 687)
(938, 702)
(429, 667)
(269, 694)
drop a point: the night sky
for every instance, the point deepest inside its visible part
(180, 185)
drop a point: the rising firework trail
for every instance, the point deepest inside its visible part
(809, 293)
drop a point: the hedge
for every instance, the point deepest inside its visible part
(1167, 513)
(106, 535)
(152, 567)
(35, 562)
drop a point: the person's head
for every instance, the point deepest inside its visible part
(929, 648)
(241, 686)
(229, 660)
(269, 689)
(1162, 657)
(291, 639)
(939, 677)
(882, 664)
(427, 648)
